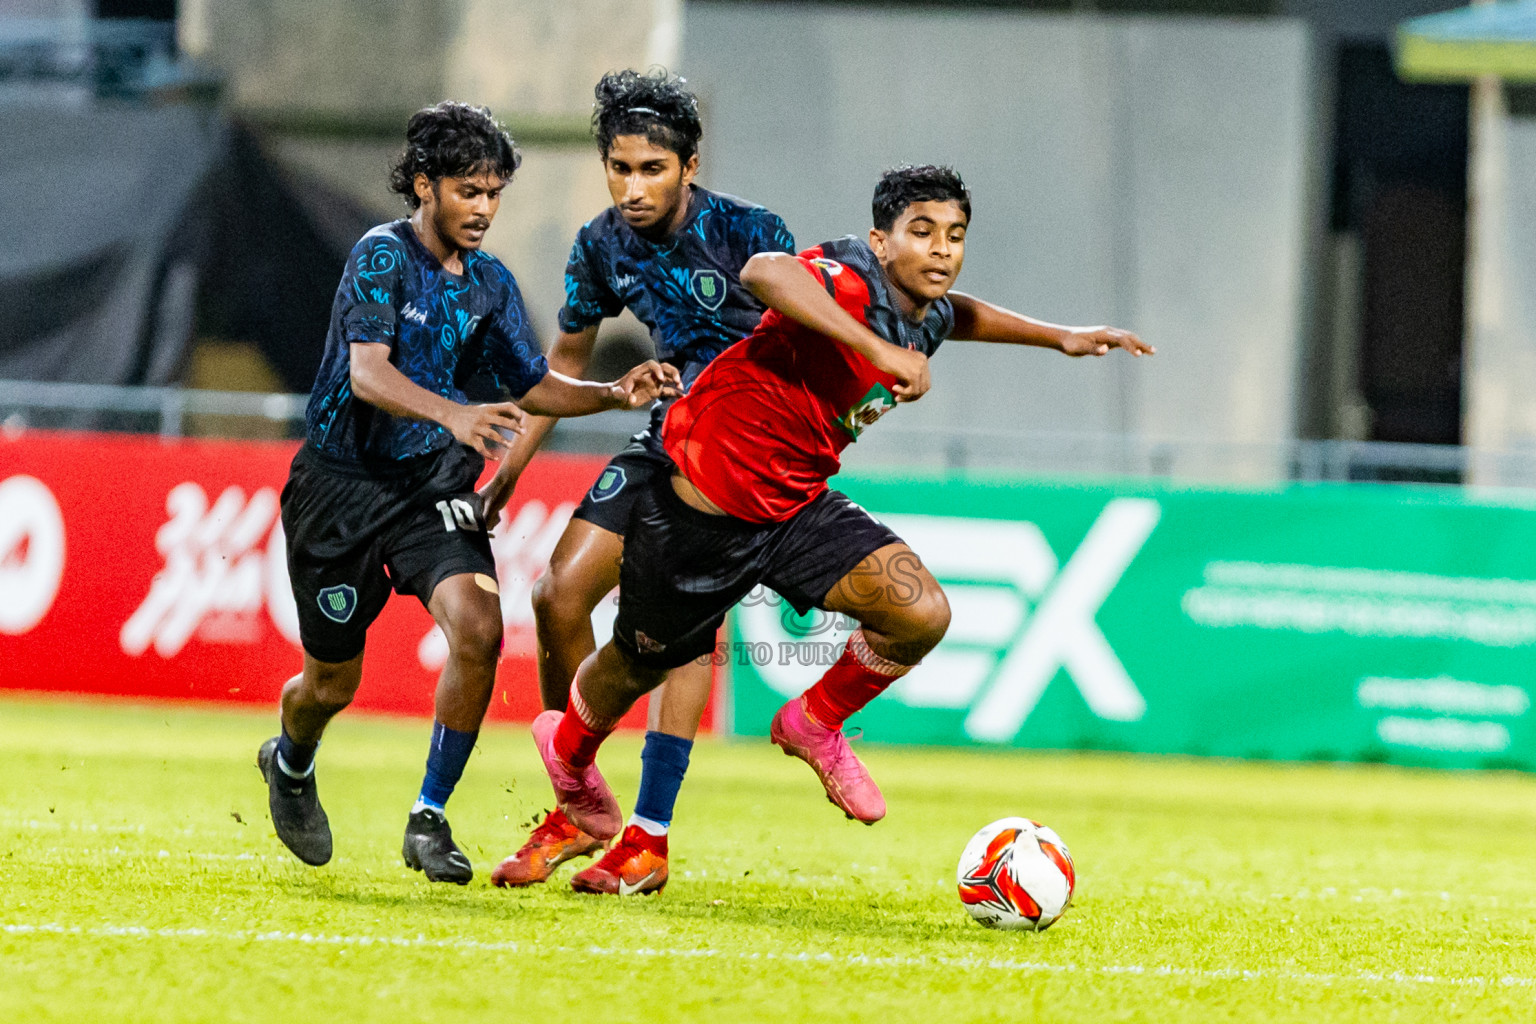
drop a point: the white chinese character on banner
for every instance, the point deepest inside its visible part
(217, 575)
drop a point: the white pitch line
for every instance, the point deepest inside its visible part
(855, 960)
(73, 853)
(96, 828)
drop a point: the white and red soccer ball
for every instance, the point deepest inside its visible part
(1016, 874)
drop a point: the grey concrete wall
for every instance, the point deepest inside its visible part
(1155, 173)
(532, 62)
(1500, 372)
(354, 57)
(43, 9)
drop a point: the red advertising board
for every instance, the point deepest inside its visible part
(142, 567)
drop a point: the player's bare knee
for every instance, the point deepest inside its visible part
(475, 635)
(332, 691)
(933, 616)
(545, 595)
(921, 626)
(557, 603)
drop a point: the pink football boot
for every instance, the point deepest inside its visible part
(842, 774)
(580, 793)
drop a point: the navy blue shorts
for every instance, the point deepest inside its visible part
(684, 569)
(357, 532)
(607, 504)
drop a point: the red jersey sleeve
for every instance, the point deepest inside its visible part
(841, 281)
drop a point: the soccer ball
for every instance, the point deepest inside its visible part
(1016, 873)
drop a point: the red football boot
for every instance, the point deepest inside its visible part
(554, 842)
(637, 863)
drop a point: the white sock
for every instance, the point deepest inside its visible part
(646, 825)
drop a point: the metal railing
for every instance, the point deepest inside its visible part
(26, 404)
(180, 412)
(177, 412)
(1216, 461)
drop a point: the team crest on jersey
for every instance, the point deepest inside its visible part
(876, 403)
(708, 287)
(338, 603)
(830, 266)
(610, 483)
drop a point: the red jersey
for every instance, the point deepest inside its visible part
(763, 426)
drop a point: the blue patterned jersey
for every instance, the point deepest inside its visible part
(686, 289)
(441, 329)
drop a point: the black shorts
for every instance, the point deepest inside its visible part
(612, 495)
(355, 533)
(684, 569)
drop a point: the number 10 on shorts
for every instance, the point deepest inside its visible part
(458, 514)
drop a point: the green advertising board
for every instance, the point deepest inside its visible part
(1307, 622)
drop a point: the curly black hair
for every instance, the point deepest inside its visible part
(452, 140)
(902, 186)
(655, 104)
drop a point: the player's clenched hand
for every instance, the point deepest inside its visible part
(909, 367)
(493, 498)
(481, 426)
(1097, 341)
(646, 383)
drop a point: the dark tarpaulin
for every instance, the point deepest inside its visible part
(281, 242)
(102, 239)
(131, 230)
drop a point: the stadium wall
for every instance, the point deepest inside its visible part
(1339, 622)
(332, 85)
(139, 567)
(1334, 622)
(1501, 343)
(1156, 173)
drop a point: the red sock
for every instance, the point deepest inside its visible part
(580, 732)
(858, 677)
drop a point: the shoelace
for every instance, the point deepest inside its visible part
(845, 756)
(620, 852)
(546, 831)
(623, 850)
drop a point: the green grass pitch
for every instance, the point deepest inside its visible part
(141, 881)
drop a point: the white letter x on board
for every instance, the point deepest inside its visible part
(1062, 632)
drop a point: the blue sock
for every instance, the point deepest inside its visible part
(445, 763)
(663, 763)
(295, 760)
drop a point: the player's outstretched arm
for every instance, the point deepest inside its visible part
(378, 382)
(977, 320)
(782, 282)
(570, 355)
(559, 395)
